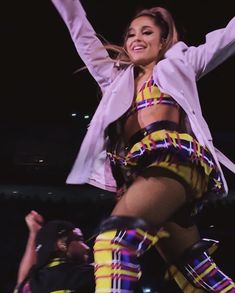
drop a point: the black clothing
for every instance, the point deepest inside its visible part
(60, 275)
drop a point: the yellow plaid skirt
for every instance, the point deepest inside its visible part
(180, 154)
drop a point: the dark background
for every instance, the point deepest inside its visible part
(40, 136)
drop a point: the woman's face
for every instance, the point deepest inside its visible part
(143, 41)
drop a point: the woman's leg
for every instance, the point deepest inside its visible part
(194, 270)
(154, 200)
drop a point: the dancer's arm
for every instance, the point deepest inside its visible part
(219, 46)
(88, 45)
(34, 222)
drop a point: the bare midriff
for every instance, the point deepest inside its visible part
(146, 116)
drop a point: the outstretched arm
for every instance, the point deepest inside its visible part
(88, 45)
(219, 46)
(34, 222)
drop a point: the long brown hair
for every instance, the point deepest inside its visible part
(169, 35)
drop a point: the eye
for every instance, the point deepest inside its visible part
(147, 33)
(130, 35)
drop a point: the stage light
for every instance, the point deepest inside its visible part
(147, 290)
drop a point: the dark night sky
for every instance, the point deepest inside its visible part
(38, 93)
(38, 59)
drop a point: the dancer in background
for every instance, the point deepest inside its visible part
(55, 259)
(149, 141)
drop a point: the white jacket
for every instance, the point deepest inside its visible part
(176, 75)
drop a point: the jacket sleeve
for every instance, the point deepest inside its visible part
(87, 44)
(219, 46)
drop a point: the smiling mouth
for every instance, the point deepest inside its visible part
(138, 49)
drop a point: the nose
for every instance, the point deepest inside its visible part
(138, 37)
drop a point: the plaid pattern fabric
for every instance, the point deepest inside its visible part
(173, 272)
(181, 281)
(116, 257)
(149, 95)
(177, 152)
(204, 274)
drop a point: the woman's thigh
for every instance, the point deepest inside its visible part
(179, 240)
(152, 197)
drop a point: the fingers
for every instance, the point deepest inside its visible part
(34, 221)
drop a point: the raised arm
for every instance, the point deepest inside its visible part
(88, 45)
(219, 46)
(34, 222)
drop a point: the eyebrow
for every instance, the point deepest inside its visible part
(144, 27)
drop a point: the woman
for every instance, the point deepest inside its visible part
(149, 141)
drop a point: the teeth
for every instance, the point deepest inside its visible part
(138, 47)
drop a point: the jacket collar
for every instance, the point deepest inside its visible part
(176, 51)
